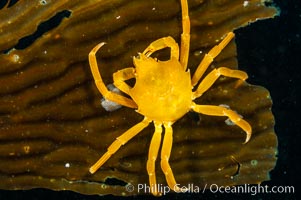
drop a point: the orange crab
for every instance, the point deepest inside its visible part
(163, 93)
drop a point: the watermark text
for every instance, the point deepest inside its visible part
(212, 188)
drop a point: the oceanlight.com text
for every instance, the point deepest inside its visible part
(213, 188)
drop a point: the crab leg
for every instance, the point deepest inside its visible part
(122, 75)
(185, 36)
(100, 84)
(208, 58)
(121, 140)
(209, 80)
(223, 111)
(152, 156)
(161, 44)
(165, 154)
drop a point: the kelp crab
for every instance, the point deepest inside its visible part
(162, 94)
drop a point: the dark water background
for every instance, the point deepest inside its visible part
(270, 52)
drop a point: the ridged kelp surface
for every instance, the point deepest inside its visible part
(53, 128)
